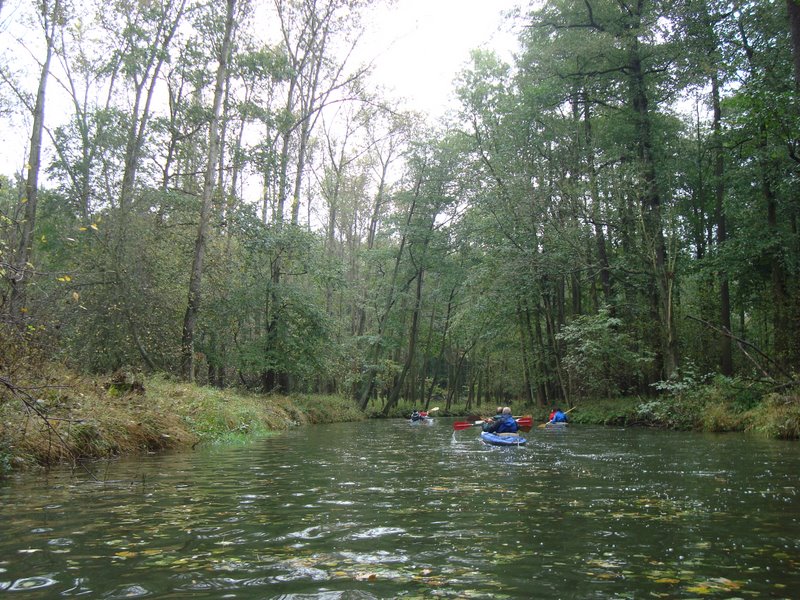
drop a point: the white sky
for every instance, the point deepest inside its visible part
(418, 47)
(421, 45)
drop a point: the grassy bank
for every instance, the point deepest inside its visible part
(65, 418)
(69, 418)
(720, 406)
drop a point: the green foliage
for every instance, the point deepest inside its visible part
(605, 411)
(778, 417)
(601, 358)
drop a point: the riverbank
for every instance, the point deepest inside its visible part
(722, 406)
(70, 418)
(66, 418)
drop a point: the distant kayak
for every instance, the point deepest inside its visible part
(560, 425)
(503, 439)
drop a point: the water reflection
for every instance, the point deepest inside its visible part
(386, 510)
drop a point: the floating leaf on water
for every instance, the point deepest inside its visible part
(670, 580)
(727, 583)
(125, 554)
(703, 545)
(365, 576)
(699, 589)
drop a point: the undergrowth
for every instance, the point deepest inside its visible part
(67, 418)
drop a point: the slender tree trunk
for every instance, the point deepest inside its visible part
(663, 277)
(524, 349)
(394, 396)
(726, 353)
(445, 331)
(599, 235)
(369, 377)
(195, 281)
(50, 16)
(782, 325)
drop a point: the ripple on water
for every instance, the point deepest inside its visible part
(27, 584)
(376, 532)
(129, 591)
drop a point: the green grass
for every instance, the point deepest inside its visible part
(83, 420)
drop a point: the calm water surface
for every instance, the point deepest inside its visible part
(387, 509)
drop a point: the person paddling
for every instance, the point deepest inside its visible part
(505, 424)
(559, 417)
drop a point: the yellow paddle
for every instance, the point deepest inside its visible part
(543, 425)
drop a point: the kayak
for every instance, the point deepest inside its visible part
(503, 439)
(559, 425)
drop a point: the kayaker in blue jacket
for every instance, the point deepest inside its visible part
(559, 417)
(505, 424)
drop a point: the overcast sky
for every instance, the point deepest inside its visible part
(421, 45)
(418, 47)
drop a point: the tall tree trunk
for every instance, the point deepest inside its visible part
(368, 383)
(196, 276)
(599, 235)
(442, 344)
(662, 275)
(524, 350)
(726, 354)
(394, 396)
(50, 17)
(782, 325)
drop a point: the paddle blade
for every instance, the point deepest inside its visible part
(459, 425)
(526, 421)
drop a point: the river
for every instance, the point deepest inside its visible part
(389, 509)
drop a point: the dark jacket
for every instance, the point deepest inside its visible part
(505, 424)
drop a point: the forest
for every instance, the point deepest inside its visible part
(214, 191)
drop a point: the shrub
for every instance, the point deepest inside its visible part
(777, 417)
(602, 359)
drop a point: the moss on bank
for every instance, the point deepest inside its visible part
(73, 418)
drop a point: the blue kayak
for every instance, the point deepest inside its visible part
(500, 439)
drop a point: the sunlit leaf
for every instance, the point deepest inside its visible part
(699, 589)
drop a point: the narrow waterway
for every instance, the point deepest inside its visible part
(387, 509)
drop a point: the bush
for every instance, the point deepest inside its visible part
(602, 359)
(778, 417)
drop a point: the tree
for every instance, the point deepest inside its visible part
(51, 14)
(195, 279)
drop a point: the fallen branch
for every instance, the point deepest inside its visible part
(742, 343)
